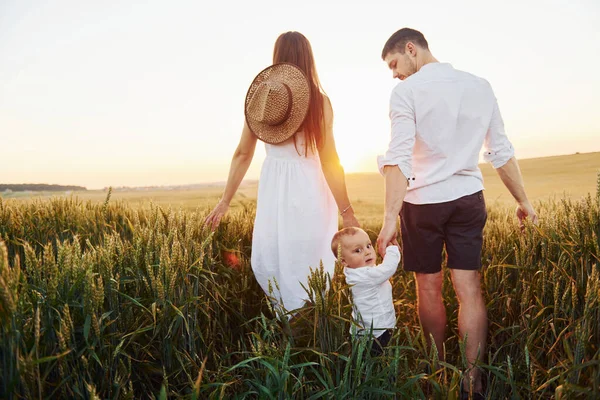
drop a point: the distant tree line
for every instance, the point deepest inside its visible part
(38, 187)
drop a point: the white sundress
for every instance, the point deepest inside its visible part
(296, 218)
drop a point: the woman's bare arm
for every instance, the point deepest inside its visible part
(241, 160)
(333, 170)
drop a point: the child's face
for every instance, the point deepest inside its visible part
(357, 251)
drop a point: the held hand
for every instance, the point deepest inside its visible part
(349, 220)
(523, 211)
(386, 237)
(214, 218)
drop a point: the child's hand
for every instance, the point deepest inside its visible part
(394, 244)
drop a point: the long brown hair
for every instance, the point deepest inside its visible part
(294, 48)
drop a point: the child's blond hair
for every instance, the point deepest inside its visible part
(337, 238)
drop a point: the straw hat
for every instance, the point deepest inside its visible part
(277, 102)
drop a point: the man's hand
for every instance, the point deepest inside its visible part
(523, 211)
(396, 185)
(387, 236)
(510, 173)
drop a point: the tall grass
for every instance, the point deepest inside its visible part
(110, 301)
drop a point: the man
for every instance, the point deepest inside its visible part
(441, 118)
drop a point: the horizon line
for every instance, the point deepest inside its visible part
(247, 181)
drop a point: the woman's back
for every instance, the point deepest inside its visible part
(294, 148)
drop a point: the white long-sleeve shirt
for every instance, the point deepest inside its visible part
(441, 117)
(372, 294)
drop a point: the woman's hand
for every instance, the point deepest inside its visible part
(214, 218)
(349, 220)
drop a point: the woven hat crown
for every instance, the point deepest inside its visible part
(277, 102)
(270, 103)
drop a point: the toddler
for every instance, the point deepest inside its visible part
(373, 306)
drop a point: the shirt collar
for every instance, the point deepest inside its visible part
(433, 65)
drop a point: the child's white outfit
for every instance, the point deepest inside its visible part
(372, 294)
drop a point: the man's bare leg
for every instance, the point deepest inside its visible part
(432, 312)
(472, 319)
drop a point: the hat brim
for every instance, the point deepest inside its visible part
(295, 79)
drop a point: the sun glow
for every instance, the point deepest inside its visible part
(358, 160)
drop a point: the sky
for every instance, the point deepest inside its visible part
(140, 93)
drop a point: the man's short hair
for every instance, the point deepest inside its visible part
(397, 42)
(337, 238)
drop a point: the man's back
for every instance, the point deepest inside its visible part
(453, 113)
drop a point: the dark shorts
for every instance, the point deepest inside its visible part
(458, 224)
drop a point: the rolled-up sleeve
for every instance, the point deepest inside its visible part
(497, 148)
(402, 142)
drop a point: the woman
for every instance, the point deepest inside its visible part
(301, 181)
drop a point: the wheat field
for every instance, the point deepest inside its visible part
(105, 299)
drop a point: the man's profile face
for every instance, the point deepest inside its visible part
(402, 65)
